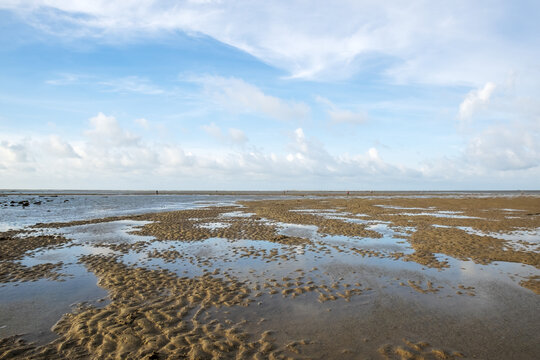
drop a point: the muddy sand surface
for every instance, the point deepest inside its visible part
(325, 277)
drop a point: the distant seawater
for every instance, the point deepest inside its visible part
(55, 206)
(67, 205)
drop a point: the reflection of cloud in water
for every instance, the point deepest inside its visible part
(405, 208)
(65, 254)
(298, 230)
(497, 271)
(109, 232)
(214, 225)
(440, 214)
(234, 214)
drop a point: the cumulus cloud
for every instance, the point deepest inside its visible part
(61, 148)
(12, 152)
(106, 130)
(506, 147)
(240, 96)
(173, 156)
(505, 155)
(475, 100)
(310, 152)
(109, 155)
(108, 151)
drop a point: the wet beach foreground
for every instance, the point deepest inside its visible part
(388, 276)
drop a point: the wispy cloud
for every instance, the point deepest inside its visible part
(65, 79)
(127, 84)
(475, 100)
(426, 40)
(342, 116)
(232, 136)
(142, 122)
(239, 96)
(132, 84)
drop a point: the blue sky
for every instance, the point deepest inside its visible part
(203, 95)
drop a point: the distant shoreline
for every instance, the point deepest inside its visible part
(38, 192)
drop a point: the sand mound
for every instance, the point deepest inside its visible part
(154, 314)
(14, 245)
(417, 351)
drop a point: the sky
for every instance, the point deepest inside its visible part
(270, 95)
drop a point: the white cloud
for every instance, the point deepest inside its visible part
(133, 84)
(109, 156)
(347, 116)
(213, 130)
(106, 130)
(514, 146)
(240, 96)
(61, 148)
(173, 156)
(12, 152)
(237, 136)
(232, 136)
(65, 79)
(475, 100)
(127, 84)
(373, 154)
(342, 116)
(452, 42)
(142, 122)
(502, 156)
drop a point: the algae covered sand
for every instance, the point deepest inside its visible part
(395, 276)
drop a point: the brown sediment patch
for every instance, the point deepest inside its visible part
(284, 253)
(156, 314)
(410, 215)
(14, 245)
(483, 214)
(57, 225)
(417, 286)
(337, 290)
(469, 290)
(283, 211)
(153, 314)
(13, 347)
(532, 284)
(189, 225)
(427, 258)
(11, 271)
(124, 248)
(417, 351)
(462, 245)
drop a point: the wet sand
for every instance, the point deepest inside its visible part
(322, 277)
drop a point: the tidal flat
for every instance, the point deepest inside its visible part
(310, 276)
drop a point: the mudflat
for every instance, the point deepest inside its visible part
(396, 276)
